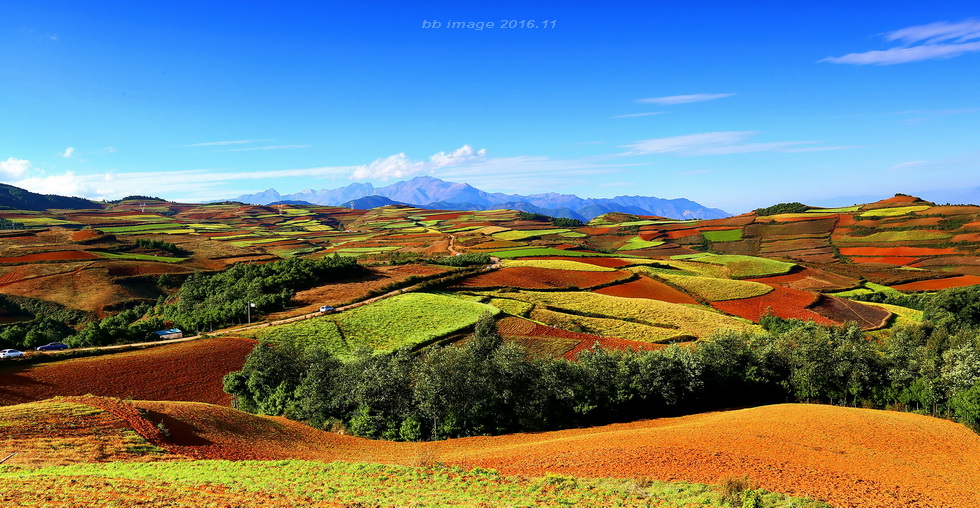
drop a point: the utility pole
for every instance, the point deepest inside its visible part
(249, 310)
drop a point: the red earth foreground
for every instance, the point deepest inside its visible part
(848, 457)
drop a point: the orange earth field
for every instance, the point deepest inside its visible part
(848, 457)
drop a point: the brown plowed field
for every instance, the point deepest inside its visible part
(785, 302)
(848, 456)
(812, 279)
(938, 284)
(64, 255)
(529, 277)
(645, 287)
(842, 310)
(524, 331)
(189, 371)
(895, 251)
(887, 260)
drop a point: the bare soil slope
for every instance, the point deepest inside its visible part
(189, 371)
(847, 456)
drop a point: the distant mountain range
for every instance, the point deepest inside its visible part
(433, 193)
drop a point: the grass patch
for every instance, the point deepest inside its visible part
(717, 290)
(305, 483)
(724, 235)
(842, 209)
(516, 234)
(915, 235)
(637, 243)
(895, 212)
(404, 320)
(741, 267)
(137, 257)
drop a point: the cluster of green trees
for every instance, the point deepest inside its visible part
(42, 322)
(9, 224)
(147, 243)
(207, 301)
(561, 222)
(794, 207)
(486, 386)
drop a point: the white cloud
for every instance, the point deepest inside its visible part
(273, 147)
(934, 41)
(109, 149)
(65, 185)
(910, 164)
(720, 143)
(684, 99)
(14, 168)
(401, 166)
(68, 152)
(637, 115)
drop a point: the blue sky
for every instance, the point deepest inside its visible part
(734, 105)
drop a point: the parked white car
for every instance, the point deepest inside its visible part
(326, 309)
(10, 353)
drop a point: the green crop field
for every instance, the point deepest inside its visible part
(544, 251)
(136, 257)
(741, 267)
(716, 290)
(637, 243)
(894, 212)
(558, 264)
(142, 228)
(386, 325)
(307, 483)
(626, 318)
(516, 234)
(724, 235)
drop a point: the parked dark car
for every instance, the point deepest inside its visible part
(54, 346)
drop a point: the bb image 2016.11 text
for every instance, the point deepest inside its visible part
(485, 25)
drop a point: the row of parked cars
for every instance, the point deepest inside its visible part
(13, 353)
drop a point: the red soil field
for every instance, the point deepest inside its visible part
(525, 329)
(527, 277)
(64, 255)
(842, 310)
(888, 260)
(949, 261)
(923, 221)
(606, 262)
(649, 235)
(85, 234)
(188, 371)
(895, 251)
(849, 457)
(445, 216)
(892, 202)
(966, 237)
(845, 219)
(939, 284)
(681, 233)
(803, 218)
(645, 287)
(592, 231)
(785, 302)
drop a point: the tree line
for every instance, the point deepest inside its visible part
(487, 386)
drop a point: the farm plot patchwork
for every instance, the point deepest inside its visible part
(645, 287)
(782, 301)
(626, 318)
(405, 320)
(715, 290)
(742, 267)
(529, 277)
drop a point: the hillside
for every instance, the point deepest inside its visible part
(15, 198)
(847, 456)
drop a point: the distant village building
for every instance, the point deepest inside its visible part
(173, 333)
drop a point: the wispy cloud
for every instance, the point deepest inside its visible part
(272, 147)
(721, 143)
(636, 115)
(684, 99)
(910, 164)
(933, 41)
(226, 143)
(68, 152)
(922, 116)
